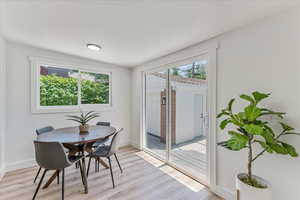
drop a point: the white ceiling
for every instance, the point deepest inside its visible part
(130, 31)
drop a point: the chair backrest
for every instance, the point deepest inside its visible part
(44, 130)
(103, 123)
(51, 155)
(115, 142)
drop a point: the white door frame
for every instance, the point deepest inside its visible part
(177, 59)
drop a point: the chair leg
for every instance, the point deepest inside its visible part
(37, 174)
(58, 177)
(111, 173)
(88, 169)
(81, 171)
(63, 185)
(39, 185)
(98, 164)
(118, 163)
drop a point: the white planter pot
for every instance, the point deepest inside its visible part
(247, 192)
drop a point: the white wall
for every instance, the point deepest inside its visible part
(2, 96)
(263, 56)
(21, 123)
(2, 103)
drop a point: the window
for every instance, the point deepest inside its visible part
(94, 88)
(58, 86)
(62, 88)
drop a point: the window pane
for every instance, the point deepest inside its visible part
(94, 88)
(196, 70)
(58, 86)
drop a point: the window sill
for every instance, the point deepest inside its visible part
(71, 109)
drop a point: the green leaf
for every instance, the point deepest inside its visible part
(290, 149)
(252, 112)
(286, 127)
(291, 133)
(247, 98)
(268, 136)
(224, 144)
(220, 114)
(253, 129)
(224, 123)
(269, 129)
(89, 113)
(265, 146)
(278, 148)
(258, 96)
(237, 120)
(223, 112)
(242, 115)
(237, 141)
(265, 111)
(230, 104)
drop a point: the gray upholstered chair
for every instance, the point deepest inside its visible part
(101, 142)
(44, 130)
(39, 132)
(98, 143)
(107, 151)
(51, 156)
(103, 123)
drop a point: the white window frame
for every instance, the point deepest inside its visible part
(36, 62)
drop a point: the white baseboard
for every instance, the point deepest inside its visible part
(225, 193)
(2, 173)
(135, 145)
(20, 165)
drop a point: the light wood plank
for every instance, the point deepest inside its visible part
(144, 178)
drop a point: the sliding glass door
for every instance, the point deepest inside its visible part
(176, 115)
(188, 117)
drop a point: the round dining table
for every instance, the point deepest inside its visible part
(77, 142)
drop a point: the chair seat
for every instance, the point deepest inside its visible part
(74, 159)
(101, 151)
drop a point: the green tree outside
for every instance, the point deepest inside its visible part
(58, 91)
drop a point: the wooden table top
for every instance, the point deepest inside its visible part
(71, 135)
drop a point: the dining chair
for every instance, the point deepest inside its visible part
(100, 142)
(51, 156)
(107, 151)
(96, 144)
(39, 132)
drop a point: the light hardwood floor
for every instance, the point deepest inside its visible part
(144, 178)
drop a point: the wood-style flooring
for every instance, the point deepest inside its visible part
(144, 178)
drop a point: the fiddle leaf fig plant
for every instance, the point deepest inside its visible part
(252, 128)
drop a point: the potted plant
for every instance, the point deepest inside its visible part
(83, 120)
(253, 128)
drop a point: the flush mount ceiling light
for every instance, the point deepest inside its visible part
(94, 47)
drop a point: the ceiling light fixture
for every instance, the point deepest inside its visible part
(94, 47)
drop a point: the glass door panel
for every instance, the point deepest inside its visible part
(155, 113)
(188, 114)
(176, 116)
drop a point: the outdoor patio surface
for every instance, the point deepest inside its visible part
(190, 156)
